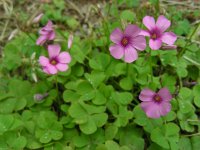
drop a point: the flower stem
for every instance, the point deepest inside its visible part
(58, 100)
(150, 61)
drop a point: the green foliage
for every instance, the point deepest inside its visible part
(95, 104)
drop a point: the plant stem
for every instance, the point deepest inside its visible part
(195, 134)
(56, 81)
(150, 60)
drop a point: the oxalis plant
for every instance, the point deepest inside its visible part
(131, 88)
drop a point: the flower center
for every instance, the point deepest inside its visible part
(124, 41)
(154, 36)
(53, 62)
(157, 98)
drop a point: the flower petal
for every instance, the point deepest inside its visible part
(46, 70)
(41, 40)
(44, 61)
(62, 67)
(53, 50)
(139, 42)
(52, 35)
(151, 109)
(64, 57)
(149, 22)
(51, 69)
(146, 95)
(144, 33)
(169, 38)
(116, 36)
(130, 54)
(49, 26)
(165, 94)
(155, 44)
(116, 51)
(132, 30)
(163, 23)
(165, 107)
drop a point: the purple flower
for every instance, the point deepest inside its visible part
(156, 32)
(126, 43)
(46, 33)
(155, 104)
(56, 62)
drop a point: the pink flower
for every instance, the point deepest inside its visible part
(46, 33)
(156, 32)
(70, 41)
(126, 43)
(56, 62)
(155, 104)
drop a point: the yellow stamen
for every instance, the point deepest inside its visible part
(124, 41)
(154, 36)
(53, 62)
(157, 98)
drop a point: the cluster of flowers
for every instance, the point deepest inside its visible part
(57, 61)
(125, 46)
(133, 38)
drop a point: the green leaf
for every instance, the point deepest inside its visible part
(95, 78)
(126, 83)
(72, 23)
(88, 96)
(170, 116)
(111, 131)
(56, 135)
(169, 82)
(89, 127)
(111, 145)
(195, 142)
(77, 53)
(127, 15)
(77, 70)
(12, 59)
(81, 140)
(100, 62)
(92, 109)
(20, 104)
(130, 134)
(78, 112)
(100, 119)
(45, 136)
(120, 69)
(99, 99)
(84, 87)
(123, 98)
(157, 136)
(70, 96)
(8, 105)
(6, 121)
(185, 144)
(196, 94)
(19, 143)
(182, 27)
(166, 136)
